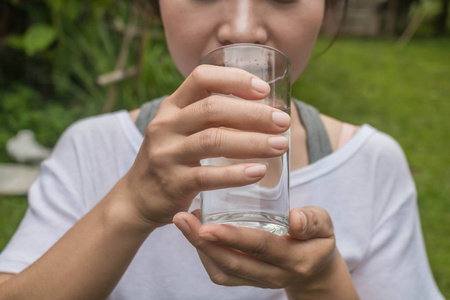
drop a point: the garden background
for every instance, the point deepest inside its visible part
(53, 54)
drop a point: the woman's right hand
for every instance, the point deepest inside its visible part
(163, 180)
(196, 123)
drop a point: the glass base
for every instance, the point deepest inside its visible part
(273, 223)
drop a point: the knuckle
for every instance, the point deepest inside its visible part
(219, 278)
(312, 224)
(230, 176)
(230, 266)
(199, 74)
(319, 222)
(151, 129)
(259, 111)
(156, 126)
(302, 269)
(158, 157)
(279, 283)
(242, 76)
(259, 249)
(202, 179)
(162, 155)
(166, 103)
(201, 246)
(209, 107)
(211, 139)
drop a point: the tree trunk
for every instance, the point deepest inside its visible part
(391, 17)
(441, 22)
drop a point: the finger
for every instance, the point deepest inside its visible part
(223, 142)
(227, 266)
(206, 178)
(207, 79)
(310, 222)
(221, 278)
(217, 111)
(260, 244)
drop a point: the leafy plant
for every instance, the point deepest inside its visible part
(58, 58)
(38, 37)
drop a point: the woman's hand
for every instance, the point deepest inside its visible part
(195, 123)
(305, 261)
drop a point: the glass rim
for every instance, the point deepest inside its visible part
(244, 45)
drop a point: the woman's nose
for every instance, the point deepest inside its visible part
(243, 24)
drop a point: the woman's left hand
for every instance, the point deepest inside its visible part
(303, 261)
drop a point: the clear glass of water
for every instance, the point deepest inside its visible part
(265, 204)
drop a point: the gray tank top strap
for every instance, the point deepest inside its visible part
(318, 143)
(147, 113)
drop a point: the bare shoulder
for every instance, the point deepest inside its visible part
(134, 114)
(5, 276)
(339, 132)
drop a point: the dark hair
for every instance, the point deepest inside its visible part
(149, 9)
(155, 5)
(338, 32)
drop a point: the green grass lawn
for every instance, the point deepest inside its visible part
(403, 92)
(12, 210)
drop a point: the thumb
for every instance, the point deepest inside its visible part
(310, 222)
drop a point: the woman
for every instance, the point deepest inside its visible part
(105, 200)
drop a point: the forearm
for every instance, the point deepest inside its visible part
(89, 260)
(334, 283)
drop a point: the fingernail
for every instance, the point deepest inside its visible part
(182, 225)
(255, 171)
(304, 220)
(208, 236)
(260, 86)
(281, 119)
(278, 142)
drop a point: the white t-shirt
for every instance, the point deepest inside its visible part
(366, 187)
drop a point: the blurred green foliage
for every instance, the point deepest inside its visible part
(56, 50)
(38, 37)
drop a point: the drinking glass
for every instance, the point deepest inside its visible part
(263, 205)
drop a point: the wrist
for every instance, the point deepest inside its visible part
(121, 212)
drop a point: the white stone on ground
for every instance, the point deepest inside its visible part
(24, 148)
(16, 179)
